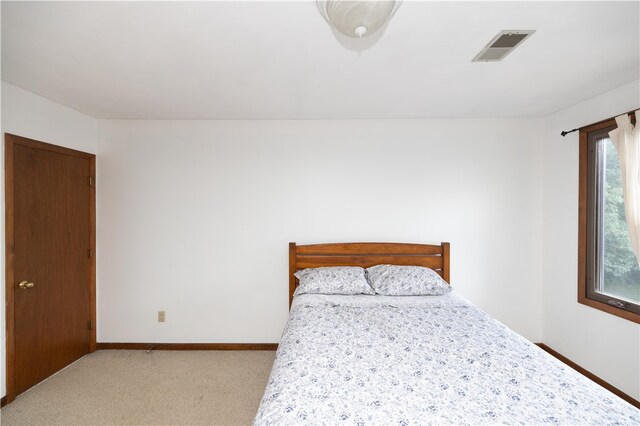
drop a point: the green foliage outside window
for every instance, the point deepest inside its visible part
(621, 269)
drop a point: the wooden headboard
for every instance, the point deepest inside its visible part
(365, 255)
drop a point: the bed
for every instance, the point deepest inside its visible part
(407, 360)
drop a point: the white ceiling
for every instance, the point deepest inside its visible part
(280, 60)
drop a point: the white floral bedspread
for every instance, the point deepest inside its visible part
(377, 360)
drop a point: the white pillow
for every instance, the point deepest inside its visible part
(394, 280)
(333, 280)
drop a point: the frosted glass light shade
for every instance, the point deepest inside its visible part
(357, 18)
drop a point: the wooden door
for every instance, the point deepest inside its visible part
(50, 219)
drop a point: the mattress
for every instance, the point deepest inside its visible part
(379, 360)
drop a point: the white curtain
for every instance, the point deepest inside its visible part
(626, 139)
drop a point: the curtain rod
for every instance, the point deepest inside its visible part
(566, 132)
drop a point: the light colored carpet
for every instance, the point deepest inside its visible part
(161, 388)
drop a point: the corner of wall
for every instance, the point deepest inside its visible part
(588, 337)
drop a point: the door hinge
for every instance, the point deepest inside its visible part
(90, 180)
(90, 253)
(90, 325)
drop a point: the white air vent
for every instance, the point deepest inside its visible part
(502, 45)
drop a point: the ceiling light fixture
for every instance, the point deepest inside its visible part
(357, 19)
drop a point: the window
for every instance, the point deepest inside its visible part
(609, 275)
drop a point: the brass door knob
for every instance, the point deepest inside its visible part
(24, 285)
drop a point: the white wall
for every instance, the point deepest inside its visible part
(195, 216)
(604, 344)
(32, 116)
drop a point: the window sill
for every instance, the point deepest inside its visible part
(631, 316)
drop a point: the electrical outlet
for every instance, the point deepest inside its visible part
(161, 316)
